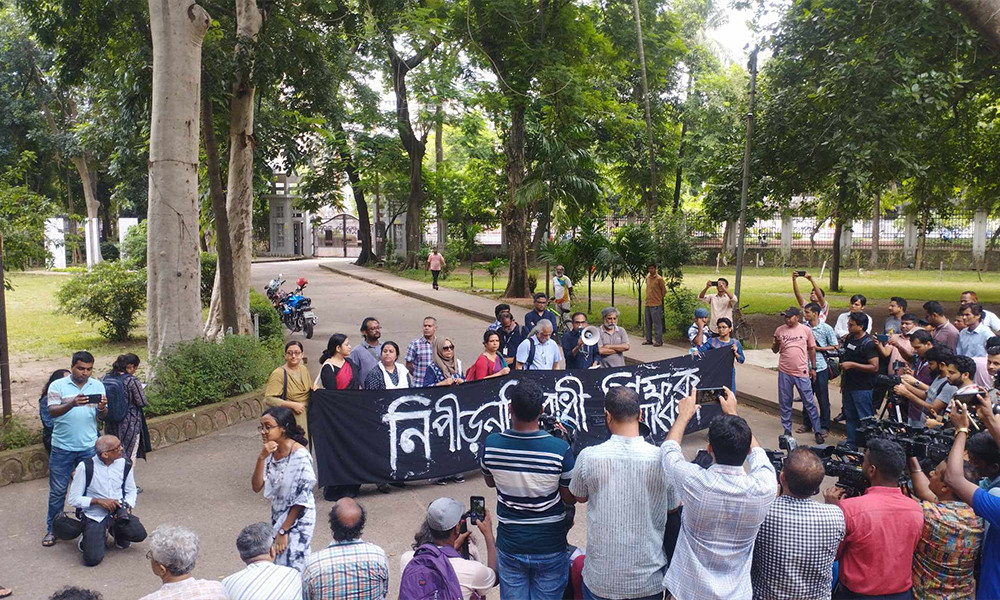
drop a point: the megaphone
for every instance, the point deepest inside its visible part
(591, 335)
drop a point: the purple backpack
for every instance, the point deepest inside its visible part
(430, 576)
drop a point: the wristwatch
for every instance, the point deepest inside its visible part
(964, 430)
(281, 531)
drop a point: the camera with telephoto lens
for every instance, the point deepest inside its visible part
(888, 381)
(556, 427)
(919, 442)
(844, 463)
(122, 515)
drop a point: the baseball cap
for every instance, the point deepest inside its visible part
(701, 313)
(792, 312)
(444, 513)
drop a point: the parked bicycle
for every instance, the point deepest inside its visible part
(742, 329)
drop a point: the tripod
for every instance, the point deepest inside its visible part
(891, 402)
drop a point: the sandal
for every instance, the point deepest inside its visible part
(5, 592)
(803, 429)
(48, 540)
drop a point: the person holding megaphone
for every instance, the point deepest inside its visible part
(580, 343)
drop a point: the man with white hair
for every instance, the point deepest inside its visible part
(539, 352)
(173, 552)
(614, 339)
(261, 578)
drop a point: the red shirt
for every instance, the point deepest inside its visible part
(883, 528)
(344, 376)
(483, 368)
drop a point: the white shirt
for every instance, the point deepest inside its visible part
(991, 320)
(558, 290)
(264, 579)
(106, 484)
(546, 355)
(473, 576)
(841, 328)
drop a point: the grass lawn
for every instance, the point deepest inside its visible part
(37, 331)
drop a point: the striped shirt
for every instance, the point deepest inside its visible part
(264, 579)
(528, 469)
(628, 496)
(354, 570)
(420, 353)
(189, 589)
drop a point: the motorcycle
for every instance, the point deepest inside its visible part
(294, 308)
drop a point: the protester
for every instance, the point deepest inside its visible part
(931, 399)
(858, 366)
(173, 552)
(441, 534)
(656, 289)
(562, 288)
(698, 332)
(897, 347)
(261, 578)
(724, 505)
(539, 312)
(420, 352)
(132, 430)
(614, 339)
(725, 340)
(531, 471)
(389, 374)
(798, 540)
(285, 473)
(990, 318)
(539, 352)
(961, 372)
(349, 568)
(43, 410)
(858, 302)
(74, 428)
(499, 308)
(511, 336)
(578, 354)
(445, 369)
(883, 528)
(972, 338)
(897, 308)
(367, 354)
(111, 487)
(435, 262)
(816, 295)
(796, 349)
(628, 496)
(992, 366)
(945, 559)
(985, 504)
(490, 363)
(290, 384)
(337, 370)
(943, 331)
(826, 344)
(984, 456)
(721, 303)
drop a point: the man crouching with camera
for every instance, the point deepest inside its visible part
(104, 493)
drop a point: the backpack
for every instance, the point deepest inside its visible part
(430, 576)
(531, 354)
(114, 389)
(66, 527)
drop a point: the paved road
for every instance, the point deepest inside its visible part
(204, 484)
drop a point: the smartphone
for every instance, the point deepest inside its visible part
(477, 508)
(709, 395)
(93, 398)
(463, 528)
(800, 273)
(881, 337)
(713, 283)
(970, 399)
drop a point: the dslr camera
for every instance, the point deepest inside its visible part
(122, 515)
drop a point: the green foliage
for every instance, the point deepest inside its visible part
(109, 251)
(15, 434)
(494, 267)
(110, 294)
(201, 372)
(270, 321)
(22, 218)
(133, 248)
(565, 253)
(209, 263)
(678, 310)
(673, 247)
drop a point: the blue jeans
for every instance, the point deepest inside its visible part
(857, 406)
(61, 465)
(786, 391)
(589, 595)
(533, 576)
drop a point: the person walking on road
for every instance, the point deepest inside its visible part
(656, 289)
(435, 262)
(796, 349)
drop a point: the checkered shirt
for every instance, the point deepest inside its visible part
(795, 548)
(420, 352)
(354, 570)
(189, 589)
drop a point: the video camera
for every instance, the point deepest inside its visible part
(920, 442)
(844, 463)
(556, 427)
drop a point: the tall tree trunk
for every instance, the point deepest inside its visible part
(651, 200)
(514, 214)
(173, 283)
(442, 223)
(982, 15)
(91, 228)
(239, 186)
(921, 240)
(226, 296)
(838, 229)
(364, 222)
(876, 225)
(680, 167)
(71, 234)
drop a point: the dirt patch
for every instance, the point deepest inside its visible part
(28, 375)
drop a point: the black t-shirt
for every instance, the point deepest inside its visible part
(858, 351)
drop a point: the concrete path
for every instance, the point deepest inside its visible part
(204, 484)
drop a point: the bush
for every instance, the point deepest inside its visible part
(199, 372)
(15, 434)
(209, 262)
(109, 293)
(678, 310)
(133, 248)
(109, 251)
(270, 321)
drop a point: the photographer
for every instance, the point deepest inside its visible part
(882, 529)
(961, 372)
(945, 559)
(921, 341)
(859, 365)
(106, 501)
(927, 399)
(986, 505)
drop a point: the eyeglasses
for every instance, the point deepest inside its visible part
(149, 555)
(115, 449)
(447, 347)
(266, 428)
(295, 353)
(579, 322)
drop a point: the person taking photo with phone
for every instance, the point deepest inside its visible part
(721, 303)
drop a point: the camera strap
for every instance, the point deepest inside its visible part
(88, 466)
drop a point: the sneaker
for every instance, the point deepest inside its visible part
(657, 344)
(460, 478)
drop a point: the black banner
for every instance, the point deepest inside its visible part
(377, 436)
